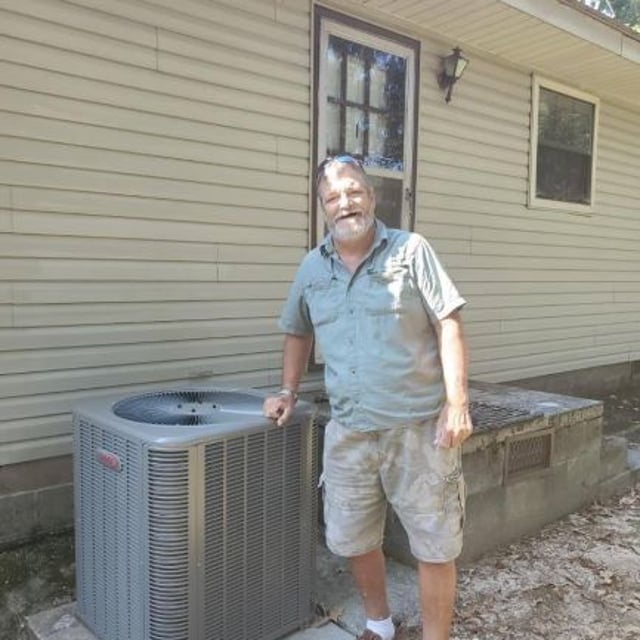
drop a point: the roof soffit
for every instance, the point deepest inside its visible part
(558, 39)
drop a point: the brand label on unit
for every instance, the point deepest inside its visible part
(108, 459)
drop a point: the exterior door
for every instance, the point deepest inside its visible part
(365, 107)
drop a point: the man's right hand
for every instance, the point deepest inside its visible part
(279, 408)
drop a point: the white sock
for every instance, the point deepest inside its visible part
(384, 628)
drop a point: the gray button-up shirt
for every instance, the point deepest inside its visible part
(375, 328)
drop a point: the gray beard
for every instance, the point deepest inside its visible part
(352, 233)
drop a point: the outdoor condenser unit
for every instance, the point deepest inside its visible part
(195, 517)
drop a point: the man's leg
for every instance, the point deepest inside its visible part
(437, 595)
(424, 484)
(368, 571)
(354, 513)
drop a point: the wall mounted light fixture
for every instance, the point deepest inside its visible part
(453, 67)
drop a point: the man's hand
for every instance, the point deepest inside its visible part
(454, 426)
(279, 408)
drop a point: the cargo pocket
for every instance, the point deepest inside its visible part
(455, 499)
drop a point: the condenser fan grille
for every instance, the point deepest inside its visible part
(185, 408)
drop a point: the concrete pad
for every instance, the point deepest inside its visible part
(60, 623)
(328, 631)
(337, 595)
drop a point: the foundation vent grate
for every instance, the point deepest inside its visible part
(528, 453)
(486, 415)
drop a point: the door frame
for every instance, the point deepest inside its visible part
(345, 25)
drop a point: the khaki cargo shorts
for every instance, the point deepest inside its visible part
(362, 470)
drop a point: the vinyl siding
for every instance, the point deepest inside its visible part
(153, 200)
(548, 290)
(154, 175)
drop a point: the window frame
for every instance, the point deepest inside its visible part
(545, 203)
(344, 26)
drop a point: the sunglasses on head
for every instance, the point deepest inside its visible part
(341, 159)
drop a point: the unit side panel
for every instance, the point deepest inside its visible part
(109, 532)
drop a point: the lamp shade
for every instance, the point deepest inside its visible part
(455, 64)
(452, 68)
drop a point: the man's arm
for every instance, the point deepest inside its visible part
(294, 361)
(454, 422)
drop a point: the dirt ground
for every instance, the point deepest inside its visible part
(33, 577)
(578, 579)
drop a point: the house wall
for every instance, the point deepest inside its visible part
(153, 199)
(154, 203)
(548, 290)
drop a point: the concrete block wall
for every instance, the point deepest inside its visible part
(36, 498)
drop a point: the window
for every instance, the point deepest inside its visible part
(563, 144)
(366, 105)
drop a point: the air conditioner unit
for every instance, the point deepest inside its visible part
(195, 517)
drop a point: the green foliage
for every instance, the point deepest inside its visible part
(627, 12)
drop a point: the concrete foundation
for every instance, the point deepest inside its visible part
(36, 498)
(590, 382)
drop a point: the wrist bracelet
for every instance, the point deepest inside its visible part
(288, 393)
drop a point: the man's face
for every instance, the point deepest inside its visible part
(347, 201)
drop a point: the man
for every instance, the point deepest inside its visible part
(385, 316)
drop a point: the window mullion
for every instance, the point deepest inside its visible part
(343, 97)
(367, 102)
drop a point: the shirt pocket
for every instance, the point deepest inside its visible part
(322, 299)
(390, 290)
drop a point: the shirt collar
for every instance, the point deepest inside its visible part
(327, 248)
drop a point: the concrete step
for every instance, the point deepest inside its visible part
(632, 433)
(616, 485)
(613, 457)
(633, 459)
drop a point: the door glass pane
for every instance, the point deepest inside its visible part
(334, 72)
(355, 74)
(378, 80)
(378, 133)
(388, 200)
(333, 129)
(355, 132)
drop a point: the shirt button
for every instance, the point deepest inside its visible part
(353, 372)
(351, 312)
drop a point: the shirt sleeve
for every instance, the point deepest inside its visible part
(436, 288)
(295, 317)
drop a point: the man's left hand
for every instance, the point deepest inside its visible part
(454, 426)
